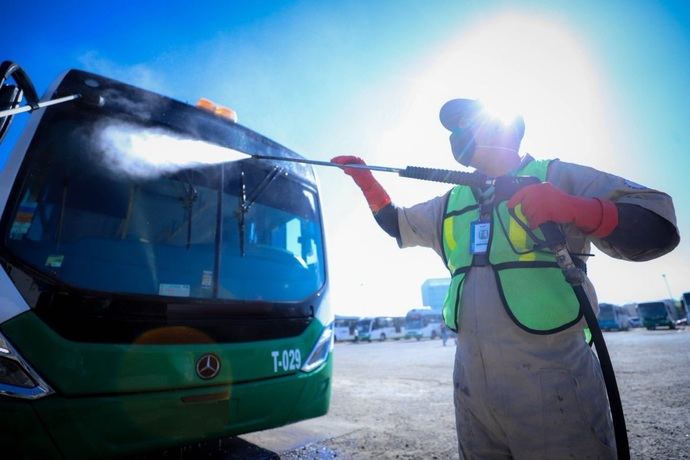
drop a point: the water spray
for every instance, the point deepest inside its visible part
(145, 151)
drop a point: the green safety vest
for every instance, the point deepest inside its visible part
(530, 282)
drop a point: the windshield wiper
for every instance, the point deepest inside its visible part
(246, 203)
(61, 215)
(263, 186)
(242, 211)
(188, 200)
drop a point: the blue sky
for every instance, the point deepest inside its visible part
(600, 83)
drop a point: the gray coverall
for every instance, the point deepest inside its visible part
(522, 395)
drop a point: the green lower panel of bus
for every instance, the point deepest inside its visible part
(115, 399)
(22, 435)
(111, 426)
(77, 369)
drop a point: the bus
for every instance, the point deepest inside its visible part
(345, 328)
(380, 328)
(613, 318)
(685, 305)
(423, 323)
(660, 313)
(151, 299)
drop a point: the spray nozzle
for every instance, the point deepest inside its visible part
(91, 98)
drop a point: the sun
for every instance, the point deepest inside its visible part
(530, 64)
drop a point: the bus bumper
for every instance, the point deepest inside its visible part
(109, 426)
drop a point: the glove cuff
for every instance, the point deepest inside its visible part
(376, 196)
(608, 221)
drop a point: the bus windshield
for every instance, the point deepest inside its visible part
(351, 323)
(244, 230)
(363, 325)
(652, 309)
(414, 323)
(606, 312)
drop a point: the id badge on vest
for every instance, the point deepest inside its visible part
(480, 230)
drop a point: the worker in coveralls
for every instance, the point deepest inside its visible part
(526, 383)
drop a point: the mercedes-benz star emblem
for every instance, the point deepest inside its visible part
(208, 366)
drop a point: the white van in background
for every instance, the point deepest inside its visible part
(381, 328)
(345, 328)
(423, 323)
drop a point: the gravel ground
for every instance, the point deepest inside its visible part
(393, 400)
(653, 373)
(400, 394)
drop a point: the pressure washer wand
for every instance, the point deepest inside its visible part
(38, 105)
(413, 172)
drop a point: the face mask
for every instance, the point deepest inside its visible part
(495, 147)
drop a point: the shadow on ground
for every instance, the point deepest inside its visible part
(231, 448)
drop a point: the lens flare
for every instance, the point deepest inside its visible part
(501, 110)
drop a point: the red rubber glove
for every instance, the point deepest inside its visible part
(545, 202)
(373, 191)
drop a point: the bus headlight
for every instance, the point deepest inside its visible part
(17, 379)
(319, 353)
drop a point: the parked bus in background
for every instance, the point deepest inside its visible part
(149, 299)
(613, 317)
(633, 314)
(423, 323)
(380, 328)
(345, 328)
(685, 305)
(660, 313)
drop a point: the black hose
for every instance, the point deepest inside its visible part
(555, 239)
(10, 69)
(619, 428)
(11, 95)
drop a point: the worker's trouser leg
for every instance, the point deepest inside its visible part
(480, 436)
(521, 395)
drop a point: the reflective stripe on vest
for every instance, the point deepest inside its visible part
(530, 283)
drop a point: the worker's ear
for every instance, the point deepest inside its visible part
(462, 145)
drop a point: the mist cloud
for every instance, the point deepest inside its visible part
(150, 152)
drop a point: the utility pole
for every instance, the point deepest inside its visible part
(670, 295)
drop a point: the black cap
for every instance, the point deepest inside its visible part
(455, 109)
